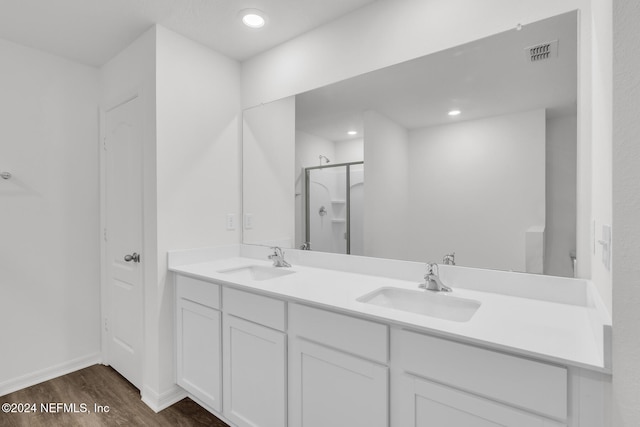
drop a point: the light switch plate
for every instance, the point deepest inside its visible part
(605, 242)
(248, 221)
(231, 221)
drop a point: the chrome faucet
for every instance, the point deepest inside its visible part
(432, 282)
(306, 246)
(449, 259)
(278, 258)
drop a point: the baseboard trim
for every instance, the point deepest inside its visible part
(47, 374)
(159, 401)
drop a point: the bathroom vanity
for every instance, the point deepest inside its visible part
(353, 341)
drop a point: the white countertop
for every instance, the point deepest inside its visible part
(552, 331)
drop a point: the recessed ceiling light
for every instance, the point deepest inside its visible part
(352, 132)
(454, 112)
(253, 18)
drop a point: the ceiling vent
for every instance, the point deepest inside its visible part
(542, 51)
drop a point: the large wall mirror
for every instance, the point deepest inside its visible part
(471, 150)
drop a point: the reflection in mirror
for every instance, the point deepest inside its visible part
(379, 165)
(333, 202)
(268, 146)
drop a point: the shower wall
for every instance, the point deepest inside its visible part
(327, 210)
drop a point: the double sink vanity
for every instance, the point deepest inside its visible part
(412, 301)
(317, 338)
(353, 341)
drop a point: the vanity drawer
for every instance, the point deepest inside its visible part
(198, 291)
(534, 386)
(255, 308)
(350, 334)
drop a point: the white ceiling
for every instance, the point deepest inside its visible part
(488, 77)
(93, 31)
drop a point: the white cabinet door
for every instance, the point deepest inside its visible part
(536, 387)
(331, 388)
(199, 358)
(254, 374)
(427, 404)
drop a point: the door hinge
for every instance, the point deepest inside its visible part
(106, 325)
(104, 234)
(104, 143)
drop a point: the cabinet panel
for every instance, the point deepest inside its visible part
(257, 308)
(254, 374)
(198, 356)
(535, 386)
(331, 388)
(350, 334)
(199, 291)
(427, 404)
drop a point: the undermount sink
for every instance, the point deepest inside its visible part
(256, 272)
(442, 306)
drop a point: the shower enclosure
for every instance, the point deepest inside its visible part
(334, 197)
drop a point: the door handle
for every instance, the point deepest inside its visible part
(133, 257)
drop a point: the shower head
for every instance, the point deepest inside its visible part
(326, 159)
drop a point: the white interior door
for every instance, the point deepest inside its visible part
(123, 235)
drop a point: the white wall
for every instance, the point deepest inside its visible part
(198, 168)
(49, 217)
(308, 149)
(349, 151)
(476, 187)
(197, 144)
(356, 209)
(601, 134)
(561, 165)
(268, 155)
(386, 156)
(626, 214)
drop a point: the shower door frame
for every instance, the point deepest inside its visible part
(307, 214)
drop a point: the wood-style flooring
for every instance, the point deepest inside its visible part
(103, 386)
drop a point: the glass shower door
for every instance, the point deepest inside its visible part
(334, 198)
(327, 209)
